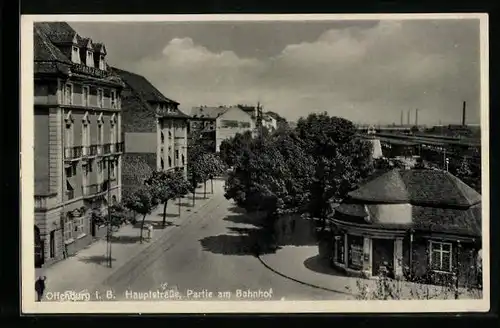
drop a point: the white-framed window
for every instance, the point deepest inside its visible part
(114, 103)
(68, 94)
(100, 98)
(112, 170)
(102, 63)
(86, 95)
(75, 55)
(90, 58)
(68, 228)
(440, 256)
(79, 225)
(86, 132)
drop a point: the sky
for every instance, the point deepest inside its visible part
(365, 71)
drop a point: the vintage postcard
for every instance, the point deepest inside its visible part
(255, 163)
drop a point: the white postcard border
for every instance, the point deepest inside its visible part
(27, 186)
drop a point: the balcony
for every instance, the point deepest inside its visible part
(107, 149)
(95, 189)
(119, 147)
(93, 150)
(71, 153)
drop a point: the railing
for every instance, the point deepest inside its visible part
(119, 146)
(72, 152)
(93, 150)
(95, 188)
(107, 148)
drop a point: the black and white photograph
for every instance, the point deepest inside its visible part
(254, 163)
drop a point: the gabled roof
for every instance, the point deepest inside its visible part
(208, 112)
(57, 32)
(143, 87)
(44, 49)
(418, 187)
(85, 43)
(147, 93)
(100, 48)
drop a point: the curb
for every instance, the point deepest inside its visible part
(138, 258)
(300, 281)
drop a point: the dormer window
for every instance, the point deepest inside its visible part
(75, 55)
(102, 63)
(90, 58)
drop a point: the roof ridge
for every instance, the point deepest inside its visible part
(459, 184)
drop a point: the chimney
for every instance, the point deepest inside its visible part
(402, 118)
(408, 118)
(416, 117)
(464, 113)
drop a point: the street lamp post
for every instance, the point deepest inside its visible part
(109, 226)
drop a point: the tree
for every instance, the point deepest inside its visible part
(231, 148)
(166, 186)
(341, 159)
(116, 218)
(213, 167)
(141, 200)
(271, 176)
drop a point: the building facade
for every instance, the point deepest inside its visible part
(225, 121)
(155, 130)
(418, 224)
(78, 145)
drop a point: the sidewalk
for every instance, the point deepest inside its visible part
(303, 265)
(89, 267)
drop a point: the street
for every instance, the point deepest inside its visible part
(208, 258)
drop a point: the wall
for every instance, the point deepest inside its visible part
(233, 114)
(140, 142)
(41, 151)
(135, 116)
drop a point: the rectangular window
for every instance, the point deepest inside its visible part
(440, 256)
(68, 228)
(355, 252)
(229, 124)
(86, 96)
(79, 223)
(100, 98)
(112, 170)
(113, 99)
(99, 134)
(68, 94)
(176, 154)
(75, 55)
(102, 63)
(90, 59)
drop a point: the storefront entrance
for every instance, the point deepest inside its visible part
(383, 256)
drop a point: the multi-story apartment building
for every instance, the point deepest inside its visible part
(77, 139)
(155, 129)
(225, 121)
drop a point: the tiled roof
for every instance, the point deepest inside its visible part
(143, 87)
(208, 112)
(99, 47)
(422, 218)
(58, 32)
(45, 50)
(418, 187)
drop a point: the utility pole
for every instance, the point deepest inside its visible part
(109, 227)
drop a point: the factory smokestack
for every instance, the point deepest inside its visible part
(402, 118)
(408, 118)
(464, 110)
(416, 117)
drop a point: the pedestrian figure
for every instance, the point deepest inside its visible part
(40, 288)
(150, 232)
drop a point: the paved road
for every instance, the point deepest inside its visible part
(210, 253)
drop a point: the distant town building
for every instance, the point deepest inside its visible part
(219, 123)
(78, 145)
(418, 223)
(155, 128)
